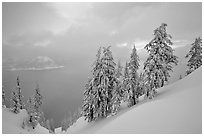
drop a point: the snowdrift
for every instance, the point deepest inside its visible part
(177, 108)
(12, 123)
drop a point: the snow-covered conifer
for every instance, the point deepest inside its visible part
(32, 115)
(88, 107)
(133, 66)
(141, 86)
(98, 92)
(15, 103)
(19, 93)
(116, 97)
(119, 70)
(125, 83)
(117, 93)
(37, 98)
(107, 82)
(160, 60)
(195, 55)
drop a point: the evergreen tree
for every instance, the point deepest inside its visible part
(32, 115)
(195, 55)
(141, 85)
(98, 92)
(117, 93)
(107, 81)
(119, 70)
(42, 120)
(15, 103)
(160, 60)
(19, 93)
(125, 83)
(133, 66)
(37, 99)
(116, 98)
(90, 108)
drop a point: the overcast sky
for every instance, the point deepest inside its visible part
(76, 30)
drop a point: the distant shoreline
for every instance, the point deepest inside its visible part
(35, 69)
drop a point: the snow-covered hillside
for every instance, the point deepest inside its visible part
(12, 123)
(177, 108)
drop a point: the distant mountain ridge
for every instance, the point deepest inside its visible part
(37, 63)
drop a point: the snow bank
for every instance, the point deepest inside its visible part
(12, 123)
(177, 108)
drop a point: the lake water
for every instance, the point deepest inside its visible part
(62, 89)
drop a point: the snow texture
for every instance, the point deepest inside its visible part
(12, 123)
(177, 108)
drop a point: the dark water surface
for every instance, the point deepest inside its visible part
(62, 89)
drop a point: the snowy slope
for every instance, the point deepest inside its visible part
(11, 123)
(176, 109)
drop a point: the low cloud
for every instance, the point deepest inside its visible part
(34, 39)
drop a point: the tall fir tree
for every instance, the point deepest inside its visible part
(119, 70)
(195, 55)
(107, 82)
(37, 98)
(38, 101)
(141, 85)
(88, 108)
(91, 101)
(117, 93)
(19, 93)
(160, 60)
(99, 89)
(126, 83)
(133, 66)
(32, 114)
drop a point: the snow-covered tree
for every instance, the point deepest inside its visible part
(117, 93)
(195, 55)
(119, 70)
(32, 114)
(133, 66)
(19, 93)
(125, 83)
(88, 108)
(160, 60)
(15, 103)
(141, 85)
(107, 81)
(116, 97)
(42, 120)
(98, 92)
(37, 98)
